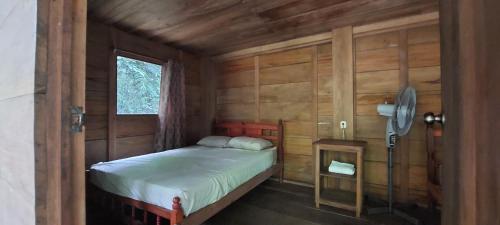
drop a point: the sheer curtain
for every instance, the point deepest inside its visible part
(170, 132)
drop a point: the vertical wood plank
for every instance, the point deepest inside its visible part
(314, 81)
(257, 88)
(404, 143)
(208, 70)
(359, 183)
(469, 38)
(112, 99)
(66, 101)
(343, 81)
(317, 181)
(79, 45)
(343, 90)
(403, 58)
(49, 121)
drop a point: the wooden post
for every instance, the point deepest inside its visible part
(343, 92)
(177, 215)
(112, 101)
(343, 82)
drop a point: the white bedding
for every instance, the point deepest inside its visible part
(198, 175)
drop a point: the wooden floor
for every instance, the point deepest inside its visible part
(282, 204)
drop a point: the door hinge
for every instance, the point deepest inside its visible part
(78, 119)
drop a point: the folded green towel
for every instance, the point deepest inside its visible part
(341, 168)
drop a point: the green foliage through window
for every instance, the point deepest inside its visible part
(138, 86)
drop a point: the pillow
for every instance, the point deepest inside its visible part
(214, 141)
(249, 143)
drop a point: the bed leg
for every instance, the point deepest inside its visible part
(122, 208)
(132, 215)
(145, 217)
(282, 174)
(177, 215)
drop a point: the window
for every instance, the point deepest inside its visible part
(137, 86)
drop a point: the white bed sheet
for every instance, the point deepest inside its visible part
(198, 175)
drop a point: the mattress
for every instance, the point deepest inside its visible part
(198, 175)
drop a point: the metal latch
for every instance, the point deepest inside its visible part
(78, 119)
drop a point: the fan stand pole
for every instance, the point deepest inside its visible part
(389, 209)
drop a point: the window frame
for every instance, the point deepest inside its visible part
(114, 78)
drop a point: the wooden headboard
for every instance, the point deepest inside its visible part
(269, 131)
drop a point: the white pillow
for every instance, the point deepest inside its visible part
(214, 141)
(249, 143)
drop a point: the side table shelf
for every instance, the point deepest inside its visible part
(338, 198)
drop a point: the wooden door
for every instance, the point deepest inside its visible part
(76, 162)
(471, 91)
(60, 87)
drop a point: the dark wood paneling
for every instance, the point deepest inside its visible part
(96, 127)
(95, 151)
(269, 87)
(385, 63)
(381, 63)
(102, 40)
(133, 146)
(129, 126)
(236, 25)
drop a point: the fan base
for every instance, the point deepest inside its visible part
(395, 212)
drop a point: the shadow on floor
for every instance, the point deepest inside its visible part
(272, 203)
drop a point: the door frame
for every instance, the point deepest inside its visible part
(471, 87)
(59, 84)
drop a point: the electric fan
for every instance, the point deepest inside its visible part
(400, 116)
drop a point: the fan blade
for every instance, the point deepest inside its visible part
(404, 113)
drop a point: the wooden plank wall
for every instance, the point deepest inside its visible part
(270, 87)
(275, 86)
(385, 62)
(297, 85)
(133, 134)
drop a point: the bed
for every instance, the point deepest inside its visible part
(190, 184)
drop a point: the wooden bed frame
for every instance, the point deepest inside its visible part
(272, 132)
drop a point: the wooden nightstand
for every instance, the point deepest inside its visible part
(341, 199)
